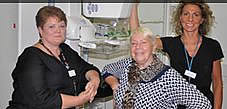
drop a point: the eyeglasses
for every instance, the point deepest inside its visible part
(61, 26)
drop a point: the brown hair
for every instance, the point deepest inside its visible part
(206, 12)
(49, 11)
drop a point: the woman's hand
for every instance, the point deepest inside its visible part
(93, 84)
(93, 87)
(69, 101)
(84, 97)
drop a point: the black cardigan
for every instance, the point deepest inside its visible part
(39, 78)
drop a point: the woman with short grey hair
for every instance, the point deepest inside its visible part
(145, 82)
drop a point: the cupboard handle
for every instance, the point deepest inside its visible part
(155, 22)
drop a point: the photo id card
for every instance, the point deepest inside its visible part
(190, 74)
(72, 73)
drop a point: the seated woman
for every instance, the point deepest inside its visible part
(50, 74)
(145, 82)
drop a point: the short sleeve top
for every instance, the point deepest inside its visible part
(209, 51)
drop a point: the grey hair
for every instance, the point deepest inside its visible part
(146, 33)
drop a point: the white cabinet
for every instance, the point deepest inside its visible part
(151, 15)
(157, 16)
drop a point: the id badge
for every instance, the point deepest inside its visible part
(190, 74)
(71, 73)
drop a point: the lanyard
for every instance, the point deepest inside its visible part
(186, 55)
(63, 59)
(64, 62)
(190, 64)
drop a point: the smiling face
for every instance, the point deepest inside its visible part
(141, 49)
(53, 31)
(191, 18)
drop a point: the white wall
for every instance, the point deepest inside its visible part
(28, 33)
(8, 48)
(219, 31)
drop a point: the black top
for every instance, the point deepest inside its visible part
(39, 78)
(209, 51)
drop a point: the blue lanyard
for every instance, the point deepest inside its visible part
(190, 65)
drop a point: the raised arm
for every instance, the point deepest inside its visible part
(134, 20)
(134, 24)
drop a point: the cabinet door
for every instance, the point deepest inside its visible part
(151, 15)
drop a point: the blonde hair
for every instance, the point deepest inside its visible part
(206, 12)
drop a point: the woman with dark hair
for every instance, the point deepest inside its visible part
(191, 53)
